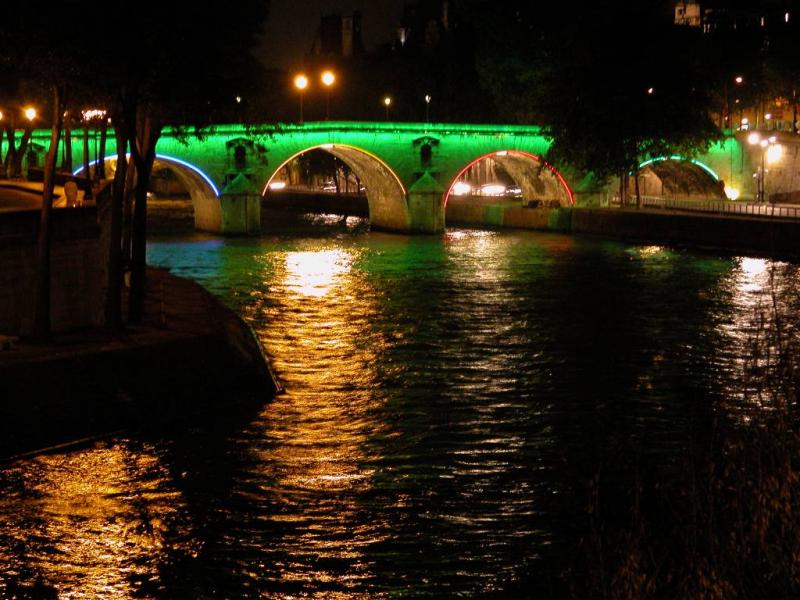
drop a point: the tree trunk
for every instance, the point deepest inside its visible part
(41, 315)
(86, 168)
(101, 159)
(143, 150)
(113, 310)
(67, 164)
(127, 211)
(23, 148)
(11, 153)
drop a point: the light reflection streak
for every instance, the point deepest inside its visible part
(101, 510)
(325, 349)
(314, 273)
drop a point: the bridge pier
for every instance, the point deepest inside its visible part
(240, 204)
(425, 206)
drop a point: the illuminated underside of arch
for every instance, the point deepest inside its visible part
(385, 193)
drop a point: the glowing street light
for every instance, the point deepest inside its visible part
(387, 102)
(739, 80)
(328, 79)
(771, 153)
(301, 83)
(30, 113)
(427, 108)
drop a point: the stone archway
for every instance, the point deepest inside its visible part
(385, 193)
(201, 188)
(538, 181)
(675, 177)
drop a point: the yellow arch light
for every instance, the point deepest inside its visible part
(30, 113)
(328, 78)
(461, 188)
(732, 193)
(774, 153)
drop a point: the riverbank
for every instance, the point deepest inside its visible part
(190, 355)
(773, 237)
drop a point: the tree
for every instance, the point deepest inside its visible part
(38, 55)
(612, 82)
(174, 63)
(182, 66)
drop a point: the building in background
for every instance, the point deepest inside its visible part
(338, 35)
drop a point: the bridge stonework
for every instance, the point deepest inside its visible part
(407, 169)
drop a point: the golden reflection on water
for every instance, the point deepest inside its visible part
(755, 288)
(314, 273)
(325, 348)
(650, 251)
(99, 511)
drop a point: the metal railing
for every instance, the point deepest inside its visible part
(726, 207)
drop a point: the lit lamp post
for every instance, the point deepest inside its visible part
(771, 153)
(738, 80)
(30, 114)
(387, 102)
(328, 79)
(301, 83)
(427, 108)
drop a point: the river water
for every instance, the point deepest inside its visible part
(453, 403)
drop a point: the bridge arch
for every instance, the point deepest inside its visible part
(536, 178)
(678, 176)
(386, 194)
(202, 189)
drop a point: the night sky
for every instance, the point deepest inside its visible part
(290, 30)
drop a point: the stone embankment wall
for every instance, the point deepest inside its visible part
(74, 266)
(775, 237)
(192, 358)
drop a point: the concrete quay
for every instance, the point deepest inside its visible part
(191, 355)
(765, 236)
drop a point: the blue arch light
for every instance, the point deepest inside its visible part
(677, 157)
(166, 158)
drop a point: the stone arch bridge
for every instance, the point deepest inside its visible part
(408, 169)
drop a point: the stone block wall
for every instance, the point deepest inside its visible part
(75, 270)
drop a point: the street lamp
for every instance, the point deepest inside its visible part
(328, 79)
(387, 102)
(30, 113)
(738, 80)
(771, 152)
(427, 108)
(301, 83)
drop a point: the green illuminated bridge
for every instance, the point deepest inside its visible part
(408, 169)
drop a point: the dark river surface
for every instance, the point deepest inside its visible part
(453, 404)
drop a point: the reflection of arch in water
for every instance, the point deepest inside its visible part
(679, 176)
(385, 193)
(201, 188)
(538, 179)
